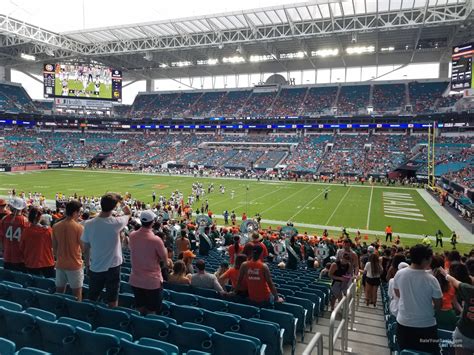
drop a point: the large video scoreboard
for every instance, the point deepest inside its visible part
(461, 69)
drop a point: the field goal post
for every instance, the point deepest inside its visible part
(432, 131)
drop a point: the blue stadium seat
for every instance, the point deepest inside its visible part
(90, 343)
(221, 322)
(5, 275)
(22, 296)
(230, 345)
(145, 327)
(186, 314)
(23, 279)
(317, 300)
(13, 306)
(165, 319)
(212, 304)
(39, 313)
(298, 312)
(131, 348)
(197, 352)
(46, 284)
(19, 327)
(189, 339)
(286, 321)
(129, 311)
(112, 318)
(185, 299)
(269, 333)
(51, 303)
(7, 347)
(116, 333)
(31, 351)
(127, 300)
(205, 292)
(243, 310)
(57, 338)
(206, 328)
(76, 323)
(12, 284)
(413, 352)
(261, 348)
(81, 310)
(170, 349)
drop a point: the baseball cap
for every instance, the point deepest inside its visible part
(3, 202)
(147, 216)
(370, 249)
(188, 254)
(402, 265)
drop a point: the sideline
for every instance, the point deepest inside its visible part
(464, 235)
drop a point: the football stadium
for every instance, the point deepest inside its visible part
(251, 178)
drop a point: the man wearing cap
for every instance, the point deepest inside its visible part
(147, 251)
(103, 249)
(11, 229)
(3, 208)
(256, 239)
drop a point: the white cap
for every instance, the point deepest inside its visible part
(147, 216)
(402, 265)
(370, 249)
(18, 203)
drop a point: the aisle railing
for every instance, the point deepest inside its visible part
(317, 341)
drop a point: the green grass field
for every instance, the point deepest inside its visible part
(354, 206)
(105, 91)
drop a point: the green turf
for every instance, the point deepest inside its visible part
(105, 91)
(277, 201)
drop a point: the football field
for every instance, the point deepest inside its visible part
(369, 208)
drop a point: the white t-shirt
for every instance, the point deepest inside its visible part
(393, 298)
(103, 235)
(417, 290)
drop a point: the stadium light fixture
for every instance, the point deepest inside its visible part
(262, 58)
(49, 52)
(360, 50)
(181, 64)
(27, 57)
(148, 57)
(163, 65)
(325, 53)
(295, 55)
(233, 60)
(387, 49)
(210, 61)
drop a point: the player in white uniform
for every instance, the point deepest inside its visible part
(65, 88)
(97, 87)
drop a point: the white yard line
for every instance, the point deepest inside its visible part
(464, 235)
(342, 199)
(307, 204)
(370, 207)
(279, 202)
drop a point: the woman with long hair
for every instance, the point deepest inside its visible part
(392, 270)
(36, 244)
(179, 275)
(373, 272)
(232, 274)
(234, 249)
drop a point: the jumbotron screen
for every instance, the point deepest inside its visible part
(461, 67)
(85, 81)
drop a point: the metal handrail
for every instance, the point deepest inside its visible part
(346, 305)
(317, 340)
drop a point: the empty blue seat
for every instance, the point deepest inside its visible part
(5, 275)
(170, 349)
(19, 327)
(145, 327)
(39, 313)
(12, 284)
(7, 347)
(131, 348)
(197, 352)
(307, 305)
(116, 333)
(316, 299)
(31, 351)
(165, 319)
(76, 323)
(112, 318)
(298, 312)
(261, 348)
(185, 299)
(187, 338)
(186, 314)
(23, 279)
(129, 311)
(243, 310)
(127, 300)
(230, 345)
(206, 328)
(51, 303)
(205, 292)
(46, 284)
(81, 310)
(286, 321)
(212, 304)
(221, 322)
(90, 343)
(22, 296)
(57, 338)
(268, 332)
(13, 306)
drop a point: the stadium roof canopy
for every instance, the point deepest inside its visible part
(273, 39)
